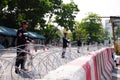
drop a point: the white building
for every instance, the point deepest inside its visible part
(108, 27)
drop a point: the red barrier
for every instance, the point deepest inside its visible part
(110, 56)
(95, 67)
(105, 71)
(108, 65)
(103, 64)
(99, 66)
(87, 69)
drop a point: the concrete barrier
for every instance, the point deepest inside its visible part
(96, 72)
(104, 63)
(96, 66)
(105, 68)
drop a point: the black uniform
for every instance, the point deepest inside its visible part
(79, 42)
(65, 41)
(22, 37)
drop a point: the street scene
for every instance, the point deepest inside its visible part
(59, 40)
(42, 62)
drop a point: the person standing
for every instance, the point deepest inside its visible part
(79, 44)
(22, 40)
(65, 42)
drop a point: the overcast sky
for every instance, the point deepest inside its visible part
(101, 7)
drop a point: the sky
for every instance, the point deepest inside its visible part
(100, 7)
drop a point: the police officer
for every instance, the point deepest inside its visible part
(22, 40)
(79, 44)
(65, 41)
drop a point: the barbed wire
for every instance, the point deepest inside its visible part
(46, 59)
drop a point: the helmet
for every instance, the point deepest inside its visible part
(24, 22)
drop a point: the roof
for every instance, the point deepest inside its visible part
(35, 35)
(7, 31)
(12, 32)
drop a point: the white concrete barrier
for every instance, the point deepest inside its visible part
(75, 70)
(95, 66)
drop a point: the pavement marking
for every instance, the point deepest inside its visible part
(116, 75)
(117, 67)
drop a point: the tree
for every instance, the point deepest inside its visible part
(117, 32)
(51, 33)
(78, 31)
(105, 35)
(65, 17)
(3, 4)
(34, 12)
(12, 12)
(93, 27)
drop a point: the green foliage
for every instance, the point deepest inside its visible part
(65, 17)
(105, 35)
(33, 11)
(78, 31)
(51, 33)
(92, 28)
(12, 12)
(117, 32)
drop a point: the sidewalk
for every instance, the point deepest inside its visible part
(116, 73)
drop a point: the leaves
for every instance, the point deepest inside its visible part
(65, 18)
(92, 27)
(12, 12)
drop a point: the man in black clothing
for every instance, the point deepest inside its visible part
(65, 41)
(79, 43)
(22, 40)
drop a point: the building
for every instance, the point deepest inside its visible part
(108, 27)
